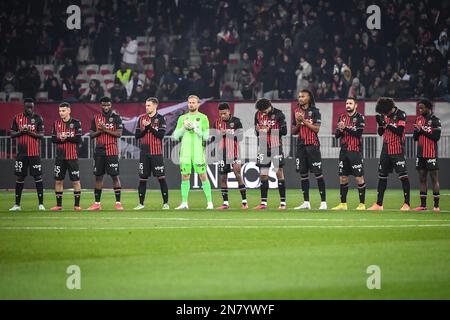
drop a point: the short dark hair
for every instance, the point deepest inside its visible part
(352, 98)
(152, 100)
(64, 105)
(105, 99)
(223, 106)
(263, 104)
(384, 105)
(28, 100)
(427, 103)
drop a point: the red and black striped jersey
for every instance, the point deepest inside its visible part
(427, 136)
(275, 121)
(26, 144)
(306, 136)
(351, 135)
(151, 135)
(229, 142)
(394, 133)
(67, 137)
(106, 143)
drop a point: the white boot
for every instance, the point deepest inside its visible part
(304, 205)
(323, 206)
(182, 206)
(15, 208)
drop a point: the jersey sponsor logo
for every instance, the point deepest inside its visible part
(75, 173)
(357, 166)
(114, 165)
(317, 164)
(400, 163)
(37, 166)
(159, 168)
(431, 161)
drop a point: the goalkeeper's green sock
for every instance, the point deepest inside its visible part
(207, 190)
(185, 186)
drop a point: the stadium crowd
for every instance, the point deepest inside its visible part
(133, 49)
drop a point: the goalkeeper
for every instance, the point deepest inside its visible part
(193, 132)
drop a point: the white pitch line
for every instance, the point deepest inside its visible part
(219, 219)
(226, 227)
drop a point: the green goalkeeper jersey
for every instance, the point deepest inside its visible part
(192, 141)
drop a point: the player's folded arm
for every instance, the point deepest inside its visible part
(435, 134)
(355, 133)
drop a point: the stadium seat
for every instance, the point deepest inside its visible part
(15, 97)
(82, 78)
(143, 51)
(98, 77)
(81, 69)
(83, 87)
(106, 69)
(142, 41)
(42, 96)
(109, 86)
(234, 58)
(48, 70)
(2, 97)
(92, 69)
(109, 78)
(89, 21)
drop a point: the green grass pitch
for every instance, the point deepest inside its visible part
(235, 254)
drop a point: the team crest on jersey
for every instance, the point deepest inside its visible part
(231, 125)
(310, 113)
(33, 121)
(354, 120)
(273, 116)
(429, 122)
(110, 120)
(198, 119)
(156, 121)
(71, 126)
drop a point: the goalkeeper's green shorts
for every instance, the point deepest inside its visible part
(186, 168)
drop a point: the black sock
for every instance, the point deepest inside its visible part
(282, 190)
(142, 189)
(40, 191)
(436, 199)
(164, 190)
(98, 194)
(19, 189)
(362, 192)
(344, 191)
(224, 194)
(243, 193)
(406, 188)
(321, 186)
(423, 199)
(77, 197)
(59, 196)
(117, 193)
(382, 184)
(264, 190)
(305, 187)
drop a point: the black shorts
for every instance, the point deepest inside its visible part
(151, 164)
(106, 164)
(390, 162)
(308, 159)
(351, 164)
(226, 166)
(264, 160)
(24, 164)
(428, 164)
(62, 165)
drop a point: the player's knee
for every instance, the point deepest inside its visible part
(359, 180)
(319, 176)
(304, 176)
(403, 176)
(382, 176)
(37, 178)
(344, 179)
(20, 179)
(264, 177)
(161, 178)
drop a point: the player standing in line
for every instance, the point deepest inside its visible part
(28, 128)
(193, 132)
(306, 124)
(270, 126)
(229, 133)
(66, 134)
(151, 129)
(391, 125)
(106, 127)
(427, 132)
(349, 130)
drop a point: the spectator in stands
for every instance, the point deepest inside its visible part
(31, 83)
(196, 83)
(347, 80)
(70, 90)
(246, 82)
(118, 92)
(55, 93)
(442, 44)
(286, 78)
(94, 93)
(59, 54)
(339, 66)
(324, 92)
(130, 52)
(124, 74)
(132, 83)
(268, 80)
(357, 90)
(83, 56)
(116, 45)
(69, 70)
(303, 72)
(245, 62)
(377, 89)
(150, 87)
(337, 87)
(9, 83)
(139, 94)
(43, 48)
